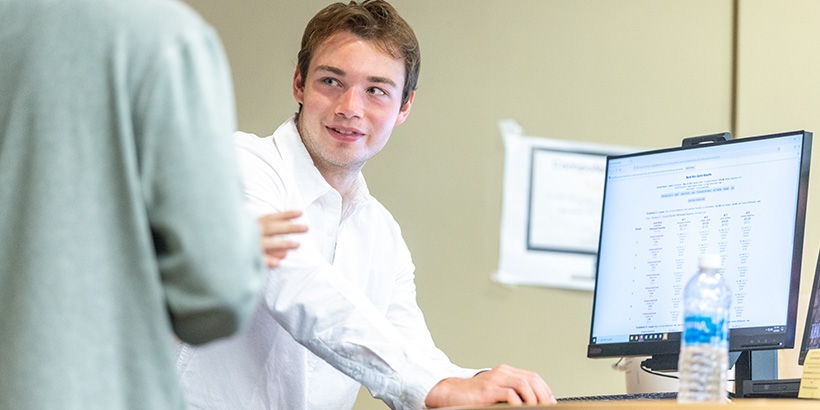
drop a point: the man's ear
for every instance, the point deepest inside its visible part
(298, 87)
(405, 109)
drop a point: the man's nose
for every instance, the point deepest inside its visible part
(350, 103)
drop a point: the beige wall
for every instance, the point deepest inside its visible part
(779, 90)
(643, 73)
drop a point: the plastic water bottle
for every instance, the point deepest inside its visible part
(704, 353)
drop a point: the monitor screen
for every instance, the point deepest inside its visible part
(743, 199)
(811, 333)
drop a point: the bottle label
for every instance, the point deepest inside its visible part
(701, 329)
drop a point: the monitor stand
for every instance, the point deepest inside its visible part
(756, 376)
(755, 373)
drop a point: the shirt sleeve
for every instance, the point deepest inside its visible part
(207, 245)
(324, 312)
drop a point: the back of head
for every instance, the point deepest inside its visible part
(372, 20)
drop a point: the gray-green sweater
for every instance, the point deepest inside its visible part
(121, 216)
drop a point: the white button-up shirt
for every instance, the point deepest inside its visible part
(339, 311)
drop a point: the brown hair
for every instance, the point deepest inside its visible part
(372, 20)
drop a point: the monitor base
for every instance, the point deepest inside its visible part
(777, 388)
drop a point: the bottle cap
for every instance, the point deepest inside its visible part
(709, 261)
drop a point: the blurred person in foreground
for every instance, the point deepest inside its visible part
(341, 310)
(121, 216)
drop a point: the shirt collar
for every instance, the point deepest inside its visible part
(311, 184)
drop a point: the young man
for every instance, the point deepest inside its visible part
(342, 308)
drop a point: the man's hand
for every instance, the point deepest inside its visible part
(272, 227)
(501, 384)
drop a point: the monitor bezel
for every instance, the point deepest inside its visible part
(737, 340)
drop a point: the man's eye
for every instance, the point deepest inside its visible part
(376, 91)
(330, 81)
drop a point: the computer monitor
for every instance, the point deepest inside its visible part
(744, 199)
(811, 333)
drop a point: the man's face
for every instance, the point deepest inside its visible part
(351, 100)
